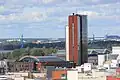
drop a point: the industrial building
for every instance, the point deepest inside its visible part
(65, 75)
(96, 56)
(76, 39)
(48, 61)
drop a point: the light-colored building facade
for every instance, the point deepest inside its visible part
(116, 50)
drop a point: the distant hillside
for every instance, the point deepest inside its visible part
(103, 44)
(61, 45)
(11, 46)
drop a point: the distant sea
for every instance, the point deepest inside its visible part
(61, 52)
(5, 51)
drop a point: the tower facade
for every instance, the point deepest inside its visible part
(76, 39)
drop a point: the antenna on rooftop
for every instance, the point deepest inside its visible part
(76, 10)
(21, 40)
(93, 37)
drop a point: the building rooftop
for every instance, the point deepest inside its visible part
(113, 56)
(49, 58)
(98, 51)
(41, 58)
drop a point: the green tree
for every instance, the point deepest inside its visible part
(51, 51)
(37, 52)
(9, 55)
(27, 51)
(18, 53)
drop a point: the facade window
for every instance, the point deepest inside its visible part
(63, 76)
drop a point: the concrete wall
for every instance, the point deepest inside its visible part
(87, 67)
(101, 59)
(19, 78)
(56, 75)
(39, 74)
(67, 43)
(116, 50)
(72, 75)
(19, 73)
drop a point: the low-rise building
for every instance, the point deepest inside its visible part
(98, 56)
(116, 50)
(65, 75)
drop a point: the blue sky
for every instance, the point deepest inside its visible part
(47, 18)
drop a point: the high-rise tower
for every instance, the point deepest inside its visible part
(76, 39)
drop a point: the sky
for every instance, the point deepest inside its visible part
(48, 18)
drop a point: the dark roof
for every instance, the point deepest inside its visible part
(89, 55)
(113, 37)
(113, 56)
(49, 58)
(41, 58)
(90, 51)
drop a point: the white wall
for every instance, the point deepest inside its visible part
(39, 74)
(107, 66)
(87, 67)
(19, 73)
(116, 50)
(79, 68)
(72, 75)
(29, 79)
(101, 59)
(20, 78)
(4, 64)
(67, 43)
(113, 64)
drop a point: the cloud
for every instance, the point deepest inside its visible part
(89, 13)
(48, 1)
(34, 16)
(99, 15)
(47, 14)
(95, 1)
(28, 13)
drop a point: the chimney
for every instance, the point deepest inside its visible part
(73, 13)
